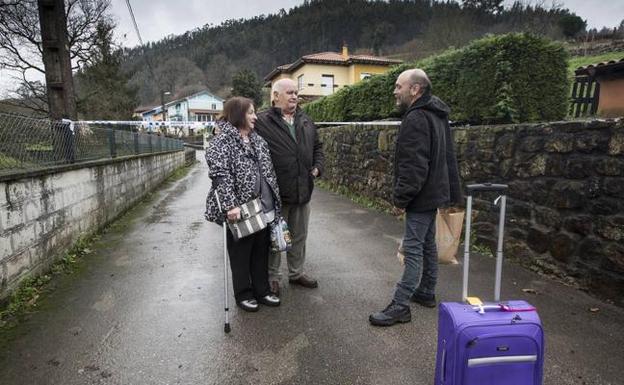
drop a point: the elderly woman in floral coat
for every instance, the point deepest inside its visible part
(240, 169)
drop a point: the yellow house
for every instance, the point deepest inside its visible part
(323, 73)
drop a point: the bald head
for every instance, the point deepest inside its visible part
(284, 95)
(410, 86)
(417, 76)
(281, 85)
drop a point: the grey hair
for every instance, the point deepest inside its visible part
(278, 87)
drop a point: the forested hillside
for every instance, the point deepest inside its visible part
(211, 55)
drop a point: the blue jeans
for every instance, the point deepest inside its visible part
(421, 257)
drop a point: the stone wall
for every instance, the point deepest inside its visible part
(43, 213)
(566, 195)
(597, 48)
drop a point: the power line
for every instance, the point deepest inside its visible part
(136, 28)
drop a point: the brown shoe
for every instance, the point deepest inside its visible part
(305, 281)
(275, 288)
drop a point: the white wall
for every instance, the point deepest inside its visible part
(205, 102)
(42, 216)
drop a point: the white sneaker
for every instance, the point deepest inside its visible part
(249, 305)
(270, 300)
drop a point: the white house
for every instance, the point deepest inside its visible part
(202, 106)
(195, 111)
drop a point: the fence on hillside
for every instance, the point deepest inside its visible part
(28, 144)
(584, 99)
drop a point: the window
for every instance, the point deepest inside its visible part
(327, 84)
(214, 106)
(365, 75)
(300, 82)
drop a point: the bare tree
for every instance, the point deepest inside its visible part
(21, 46)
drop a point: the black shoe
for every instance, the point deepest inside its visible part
(424, 300)
(269, 300)
(390, 315)
(249, 305)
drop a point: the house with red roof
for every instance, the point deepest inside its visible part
(324, 73)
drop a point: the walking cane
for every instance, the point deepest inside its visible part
(226, 327)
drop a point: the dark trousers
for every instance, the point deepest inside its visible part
(249, 260)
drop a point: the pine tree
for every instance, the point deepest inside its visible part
(245, 83)
(103, 92)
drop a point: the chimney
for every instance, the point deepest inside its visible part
(345, 50)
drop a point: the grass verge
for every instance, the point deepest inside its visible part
(25, 298)
(580, 61)
(368, 202)
(385, 207)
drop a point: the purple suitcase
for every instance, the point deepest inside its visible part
(500, 343)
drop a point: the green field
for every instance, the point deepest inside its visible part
(580, 61)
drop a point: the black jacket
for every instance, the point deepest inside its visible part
(293, 160)
(425, 166)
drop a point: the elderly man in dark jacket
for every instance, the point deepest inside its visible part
(297, 156)
(425, 178)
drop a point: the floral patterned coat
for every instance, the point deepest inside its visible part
(233, 170)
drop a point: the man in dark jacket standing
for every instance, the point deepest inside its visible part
(425, 178)
(297, 156)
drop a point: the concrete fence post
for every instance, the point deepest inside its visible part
(111, 143)
(136, 143)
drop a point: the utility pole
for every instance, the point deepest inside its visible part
(164, 110)
(162, 103)
(58, 70)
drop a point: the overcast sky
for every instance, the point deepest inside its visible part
(159, 18)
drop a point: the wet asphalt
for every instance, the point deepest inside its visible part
(147, 308)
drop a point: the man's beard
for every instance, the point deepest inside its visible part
(402, 106)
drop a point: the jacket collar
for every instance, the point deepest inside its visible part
(275, 113)
(423, 100)
(228, 129)
(278, 111)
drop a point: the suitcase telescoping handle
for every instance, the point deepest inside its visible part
(471, 188)
(486, 187)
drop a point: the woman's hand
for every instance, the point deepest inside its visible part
(233, 214)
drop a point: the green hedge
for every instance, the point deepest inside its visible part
(498, 79)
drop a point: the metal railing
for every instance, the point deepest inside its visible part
(28, 144)
(372, 123)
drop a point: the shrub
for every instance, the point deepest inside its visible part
(498, 79)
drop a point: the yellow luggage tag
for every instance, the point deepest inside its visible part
(474, 301)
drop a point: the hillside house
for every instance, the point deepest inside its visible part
(323, 73)
(194, 112)
(202, 106)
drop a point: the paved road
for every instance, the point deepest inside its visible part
(147, 309)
